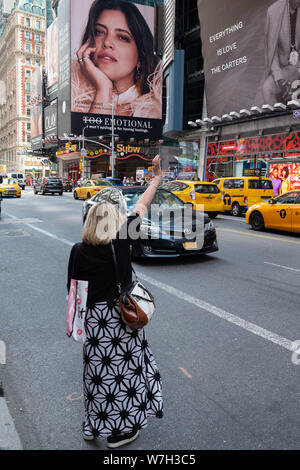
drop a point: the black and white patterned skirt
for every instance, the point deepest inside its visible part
(122, 385)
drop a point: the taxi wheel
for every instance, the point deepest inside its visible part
(257, 221)
(75, 195)
(236, 210)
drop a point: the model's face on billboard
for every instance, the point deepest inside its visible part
(116, 51)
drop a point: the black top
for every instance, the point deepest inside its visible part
(95, 264)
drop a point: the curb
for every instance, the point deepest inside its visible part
(9, 438)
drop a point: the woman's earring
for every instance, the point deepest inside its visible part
(138, 74)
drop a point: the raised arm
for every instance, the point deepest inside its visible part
(146, 198)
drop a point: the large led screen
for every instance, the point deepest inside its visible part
(114, 69)
(251, 52)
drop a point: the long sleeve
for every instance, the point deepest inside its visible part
(71, 267)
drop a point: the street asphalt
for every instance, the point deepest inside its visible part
(223, 335)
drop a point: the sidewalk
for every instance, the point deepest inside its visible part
(9, 438)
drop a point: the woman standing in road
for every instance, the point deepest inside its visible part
(122, 385)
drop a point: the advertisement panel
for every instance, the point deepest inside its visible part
(37, 109)
(64, 75)
(285, 175)
(50, 122)
(52, 58)
(114, 69)
(251, 53)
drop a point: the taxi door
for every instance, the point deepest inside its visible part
(279, 215)
(296, 216)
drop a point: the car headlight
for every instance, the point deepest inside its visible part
(149, 229)
(209, 226)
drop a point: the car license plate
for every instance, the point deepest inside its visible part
(190, 246)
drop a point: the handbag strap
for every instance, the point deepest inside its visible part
(119, 285)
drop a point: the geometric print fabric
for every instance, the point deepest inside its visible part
(121, 382)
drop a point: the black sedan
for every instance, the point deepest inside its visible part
(170, 227)
(67, 185)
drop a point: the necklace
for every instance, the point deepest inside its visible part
(294, 55)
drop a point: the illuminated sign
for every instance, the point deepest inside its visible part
(127, 149)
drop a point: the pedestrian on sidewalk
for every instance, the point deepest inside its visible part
(121, 382)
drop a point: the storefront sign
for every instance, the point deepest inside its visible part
(128, 149)
(270, 144)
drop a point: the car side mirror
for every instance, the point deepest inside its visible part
(271, 201)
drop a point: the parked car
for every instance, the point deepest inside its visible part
(10, 188)
(50, 185)
(90, 188)
(0, 203)
(67, 185)
(279, 213)
(161, 238)
(198, 193)
(239, 193)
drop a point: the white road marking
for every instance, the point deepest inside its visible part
(9, 438)
(251, 327)
(2, 353)
(234, 319)
(284, 267)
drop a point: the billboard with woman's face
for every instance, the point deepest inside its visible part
(52, 57)
(36, 108)
(114, 65)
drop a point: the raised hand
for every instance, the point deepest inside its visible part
(96, 77)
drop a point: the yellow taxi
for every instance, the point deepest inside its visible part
(90, 188)
(198, 192)
(241, 192)
(279, 213)
(10, 188)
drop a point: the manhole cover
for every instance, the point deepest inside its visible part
(13, 233)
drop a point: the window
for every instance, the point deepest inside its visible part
(228, 184)
(38, 24)
(207, 189)
(260, 184)
(27, 36)
(28, 126)
(288, 198)
(28, 47)
(28, 112)
(27, 86)
(27, 98)
(28, 61)
(175, 186)
(37, 50)
(37, 61)
(38, 38)
(27, 21)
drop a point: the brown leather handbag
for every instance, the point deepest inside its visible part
(136, 302)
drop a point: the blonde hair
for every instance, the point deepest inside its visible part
(103, 222)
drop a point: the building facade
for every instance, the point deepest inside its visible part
(22, 50)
